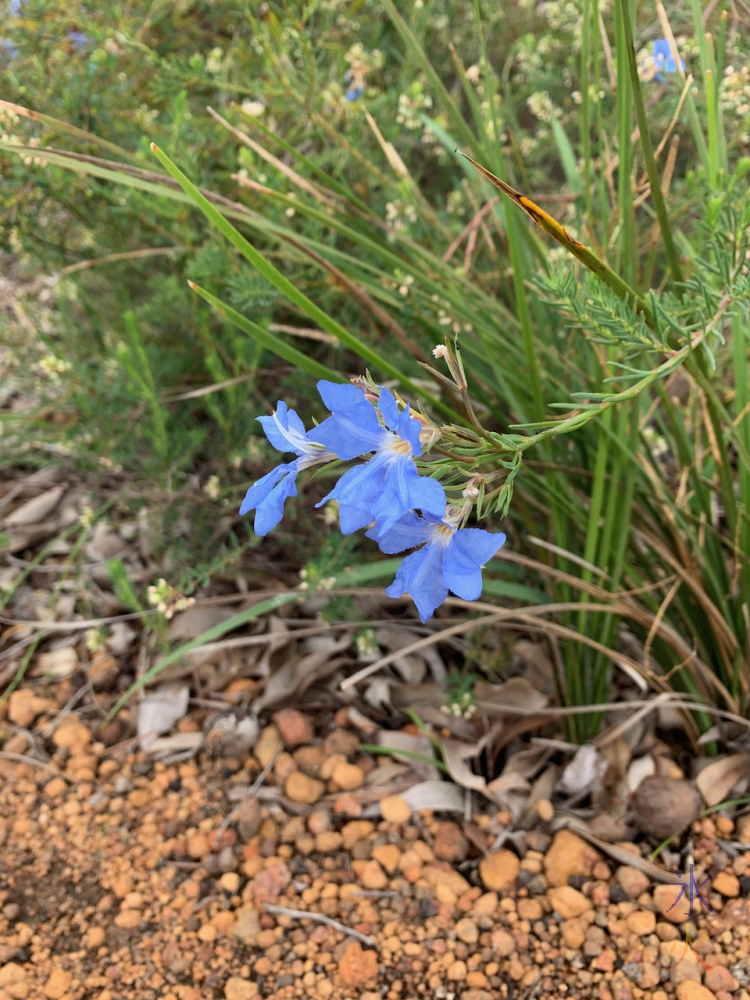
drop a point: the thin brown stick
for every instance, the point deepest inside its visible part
(319, 918)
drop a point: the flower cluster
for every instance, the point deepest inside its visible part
(386, 494)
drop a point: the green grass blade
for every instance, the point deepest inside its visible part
(268, 340)
(648, 150)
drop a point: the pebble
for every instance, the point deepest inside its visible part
(24, 707)
(642, 922)
(726, 884)
(568, 855)
(567, 901)
(372, 876)
(450, 843)
(239, 989)
(467, 931)
(347, 776)
(395, 809)
(71, 733)
(356, 966)
(247, 927)
(720, 978)
(268, 745)
(690, 990)
(302, 788)
(294, 727)
(633, 881)
(389, 856)
(669, 906)
(57, 985)
(499, 871)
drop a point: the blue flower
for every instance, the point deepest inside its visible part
(354, 93)
(287, 433)
(664, 60)
(388, 485)
(78, 40)
(10, 50)
(451, 559)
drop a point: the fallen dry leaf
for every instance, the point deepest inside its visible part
(160, 710)
(455, 754)
(441, 796)
(717, 779)
(36, 509)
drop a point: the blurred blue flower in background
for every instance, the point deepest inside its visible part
(287, 433)
(388, 485)
(78, 40)
(652, 65)
(354, 94)
(451, 559)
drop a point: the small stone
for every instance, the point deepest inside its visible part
(395, 809)
(467, 931)
(55, 788)
(373, 876)
(269, 884)
(568, 855)
(666, 806)
(284, 766)
(503, 943)
(690, 990)
(328, 841)
(439, 874)
(95, 937)
(239, 989)
(310, 759)
(573, 932)
(294, 727)
(230, 882)
(57, 985)
(633, 880)
(672, 908)
(267, 746)
(358, 829)
(207, 933)
(720, 978)
(197, 846)
(12, 973)
(71, 733)
(567, 901)
(726, 884)
(24, 707)
(457, 971)
(499, 871)
(486, 905)
(248, 819)
(356, 966)
(348, 777)
(642, 922)
(247, 927)
(319, 822)
(301, 787)
(341, 741)
(389, 856)
(450, 843)
(476, 994)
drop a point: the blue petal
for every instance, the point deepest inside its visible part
(351, 519)
(287, 419)
(467, 551)
(389, 408)
(421, 576)
(268, 496)
(662, 47)
(408, 428)
(360, 486)
(404, 489)
(352, 432)
(408, 532)
(338, 396)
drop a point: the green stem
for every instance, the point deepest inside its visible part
(648, 150)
